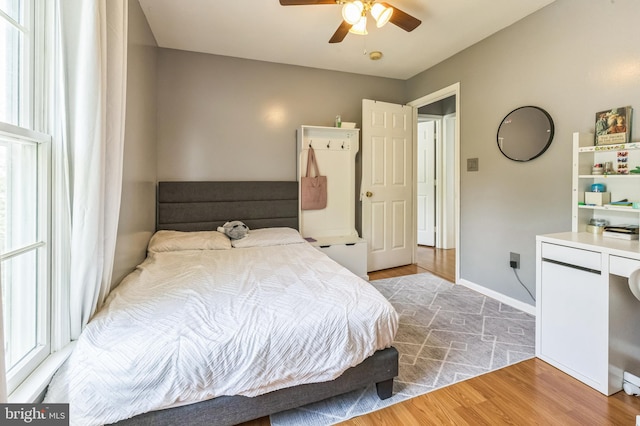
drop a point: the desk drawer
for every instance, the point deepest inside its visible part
(622, 266)
(572, 256)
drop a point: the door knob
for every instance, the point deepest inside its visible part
(369, 194)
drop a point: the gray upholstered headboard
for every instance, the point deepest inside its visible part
(203, 206)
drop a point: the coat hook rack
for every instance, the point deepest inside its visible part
(329, 144)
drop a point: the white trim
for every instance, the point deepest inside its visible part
(40, 65)
(447, 176)
(436, 96)
(15, 134)
(428, 117)
(33, 386)
(17, 25)
(18, 132)
(525, 307)
(27, 101)
(22, 250)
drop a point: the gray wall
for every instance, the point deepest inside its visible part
(222, 118)
(137, 212)
(233, 119)
(572, 58)
(443, 107)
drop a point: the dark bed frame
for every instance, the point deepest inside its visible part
(202, 206)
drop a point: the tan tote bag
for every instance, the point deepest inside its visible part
(313, 190)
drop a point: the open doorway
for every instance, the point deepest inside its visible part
(436, 148)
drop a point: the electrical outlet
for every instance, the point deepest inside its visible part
(514, 260)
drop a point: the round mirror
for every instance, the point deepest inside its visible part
(525, 133)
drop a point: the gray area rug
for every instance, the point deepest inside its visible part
(447, 333)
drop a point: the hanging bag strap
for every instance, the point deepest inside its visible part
(311, 159)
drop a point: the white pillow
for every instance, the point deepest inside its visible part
(197, 240)
(266, 237)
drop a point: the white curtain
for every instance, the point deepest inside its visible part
(91, 82)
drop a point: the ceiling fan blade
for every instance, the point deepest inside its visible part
(341, 32)
(403, 19)
(305, 2)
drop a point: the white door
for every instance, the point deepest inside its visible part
(426, 182)
(387, 187)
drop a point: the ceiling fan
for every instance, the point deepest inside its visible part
(354, 14)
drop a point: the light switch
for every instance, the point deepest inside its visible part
(472, 164)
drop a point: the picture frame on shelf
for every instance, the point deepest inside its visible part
(613, 126)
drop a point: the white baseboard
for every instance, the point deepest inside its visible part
(525, 307)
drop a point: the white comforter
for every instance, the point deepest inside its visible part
(192, 325)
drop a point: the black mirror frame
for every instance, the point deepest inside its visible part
(550, 139)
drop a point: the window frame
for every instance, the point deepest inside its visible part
(33, 124)
(21, 370)
(30, 45)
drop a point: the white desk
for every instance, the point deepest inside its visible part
(587, 319)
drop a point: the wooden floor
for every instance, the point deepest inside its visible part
(437, 261)
(528, 393)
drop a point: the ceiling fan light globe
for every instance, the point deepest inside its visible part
(352, 12)
(381, 14)
(360, 27)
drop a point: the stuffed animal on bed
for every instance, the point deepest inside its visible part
(234, 229)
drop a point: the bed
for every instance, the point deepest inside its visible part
(275, 273)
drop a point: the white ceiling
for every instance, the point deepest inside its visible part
(298, 35)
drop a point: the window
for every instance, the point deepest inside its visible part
(24, 205)
(16, 51)
(23, 251)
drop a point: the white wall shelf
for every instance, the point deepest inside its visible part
(629, 176)
(607, 148)
(583, 302)
(621, 186)
(611, 209)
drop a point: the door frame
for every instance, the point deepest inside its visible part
(452, 90)
(438, 119)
